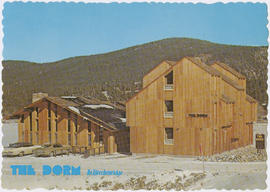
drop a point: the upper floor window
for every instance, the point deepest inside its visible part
(169, 81)
(169, 105)
(168, 108)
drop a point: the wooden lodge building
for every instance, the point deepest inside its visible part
(190, 108)
(80, 122)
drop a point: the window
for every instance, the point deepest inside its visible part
(169, 78)
(168, 135)
(168, 109)
(169, 81)
(169, 106)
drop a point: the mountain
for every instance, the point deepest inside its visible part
(117, 75)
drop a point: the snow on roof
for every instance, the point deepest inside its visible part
(74, 109)
(98, 106)
(85, 118)
(68, 97)
(123, 120)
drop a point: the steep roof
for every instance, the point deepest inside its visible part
(200, 64)
(228, 68)
(203, 66)
(110, 116)
(171, 63)
(215, 72)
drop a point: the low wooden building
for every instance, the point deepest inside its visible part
(190, 108)
(80, 122)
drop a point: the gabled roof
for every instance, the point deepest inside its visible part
(110, 116)
(215, 72)
(203, 66)
(171, 63)
(231, 70)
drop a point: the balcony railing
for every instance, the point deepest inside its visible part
(168, 87)
(168, 114)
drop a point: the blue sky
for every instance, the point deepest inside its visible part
(45, 32)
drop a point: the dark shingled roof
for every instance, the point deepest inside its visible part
(111, 116)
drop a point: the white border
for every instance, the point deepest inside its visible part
(130, 1)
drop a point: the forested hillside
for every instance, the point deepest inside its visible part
(119, 73)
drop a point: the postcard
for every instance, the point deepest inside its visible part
(134, 96)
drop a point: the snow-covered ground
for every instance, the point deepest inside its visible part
(10, 133)
(162, 172)
(145, 171)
